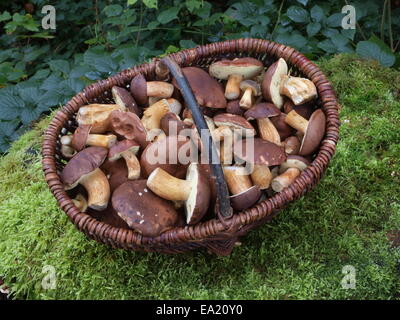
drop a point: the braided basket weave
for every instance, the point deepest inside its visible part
(218, 237)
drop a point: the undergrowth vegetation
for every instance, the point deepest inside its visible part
(345, 220)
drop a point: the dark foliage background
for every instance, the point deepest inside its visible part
(41, 69)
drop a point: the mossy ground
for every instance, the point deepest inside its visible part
(300, 255)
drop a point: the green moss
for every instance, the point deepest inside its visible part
(300, 255)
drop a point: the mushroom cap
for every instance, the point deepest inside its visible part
(207, 90)
(272, 82)
(245, 199)
(197, 204)
(164, 154)
(129, 126)
(263, 152)
(80, 136)
(283, 128)
(115, 151)
(294, 161)
(138, 89)
(172, 121)
(124, 98)
(142, 210)
(83, 163)
(254, 86)
(234, 121)
(233, 107)
(314, 133)
(116, 172)
(108, 216)
(262, 110)
(246, 67)
(305, 109)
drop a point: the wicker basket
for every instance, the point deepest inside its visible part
(212, 234)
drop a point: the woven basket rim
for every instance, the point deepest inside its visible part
(214, 228)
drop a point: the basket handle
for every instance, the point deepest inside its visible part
(223, 207)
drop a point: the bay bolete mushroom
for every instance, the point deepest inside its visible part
(313, 130)
(82, 138)
(292, 145)
(244, 194)
(235, 71)
(142, 89)
(142, 210)
(124, 99)
(283, 128)
(271, 84)
(83, 169)
(207, 91)
(171, 124)
(305, 109)
(80, 202)
(127, 149)
(194, 190)
(239, 124)
(251, 89)
(116, 172)
(262, 112)
(289, 171)
(96, 115)
(299, 90)
(234, 107)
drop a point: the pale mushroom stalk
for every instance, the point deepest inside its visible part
(127, 149)
(232, 89)
(80, 202)
(159, 89)
(100, 140)
(132, 163)
(261, 176)
(299, 90)
(285, 179)
(268, 131)
(67, 151)
(296, 121)
(97, 115)
(167, 186)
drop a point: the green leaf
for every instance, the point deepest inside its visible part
(30, 95)
(192, 5)
(5, 16)
(41, 74)
(10, 106)
(59, 66)
(151, 4)
(329, 32)
(7, 128)
(372, 50)
(327, 46)
(131, 2)
(168, 15)
(297, 14)
(335, 20)
(303, 2)
(349, 33)
(317, 14)
(186, 44)
(313, 28)
(294, 40)
(113, 10)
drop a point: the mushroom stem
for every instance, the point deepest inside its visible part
(101, 140)
(97, 115)
(152, 115)
(98, 189)
(66, 140)
(67, 151)
(159, 89)
(237, 179)
(232, 89)
(261, 176)
(167, 186)
(80, 202)
(268, 131)
(247, 99)
(132, 163)
(285, 179)
(296, 121)
(299, 90)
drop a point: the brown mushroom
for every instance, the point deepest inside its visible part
(234, 107)
(244, 194)
(127, 149)
(289, 171)
(81, 138)
(207, 91)
(239, 124)
(261, 176)
(235, 71)
(142, 89)
(262, 112)
(80, 202)
(96, 115)
(313, 130)
(171, 124)
(194, 190)
(142, 210)
(292, 145)
(124, 99)
(272, 82)
(299, 90)
(251, 89)
(116, 172)
(305, 109)
(83, 169)
(283, 128)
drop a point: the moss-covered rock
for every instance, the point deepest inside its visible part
(343, 221)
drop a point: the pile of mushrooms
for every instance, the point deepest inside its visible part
(111, 172)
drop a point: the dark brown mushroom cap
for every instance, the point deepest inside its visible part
(233, 120)
(269, 86)
(283, 128)
(207, 90)
(123, 96)
(206, 172)
(142, 210)
(172, 121)
(305, 109)
(121, 146)
(233, 107)
(108, 216)
(247, 67)
(116, 172)
(82, 163)
(245, 199)
(314, 133)
(262, 110)
(261, 152)
(250, 84)
(138, 89)
(80, 136)
(129, 126)
(165, 151)
(197, 204)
